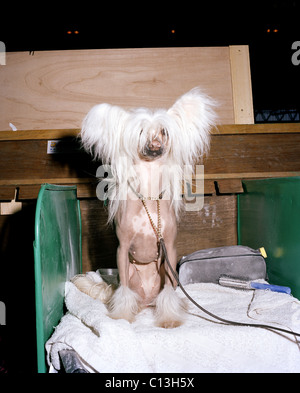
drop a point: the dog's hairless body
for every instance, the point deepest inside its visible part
(139, 258)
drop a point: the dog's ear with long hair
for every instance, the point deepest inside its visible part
(101, 131)
(194, 117)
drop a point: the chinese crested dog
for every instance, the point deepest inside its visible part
(145, 153)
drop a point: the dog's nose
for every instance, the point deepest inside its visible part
(154, 145)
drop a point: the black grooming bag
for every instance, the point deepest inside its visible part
(209, 264)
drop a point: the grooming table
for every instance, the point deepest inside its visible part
(201, 344)
(87, 340)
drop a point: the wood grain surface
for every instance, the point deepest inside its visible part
(55, 89)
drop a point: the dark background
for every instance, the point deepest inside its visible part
(268, 27)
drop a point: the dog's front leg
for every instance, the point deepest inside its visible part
(125, 303)
(123, 264)
(170, 308)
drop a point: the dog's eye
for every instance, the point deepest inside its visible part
(163, 132)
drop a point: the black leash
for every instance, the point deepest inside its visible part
(161, 242)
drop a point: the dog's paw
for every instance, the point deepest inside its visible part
(170, 309)
(124, 304)
(169, 324)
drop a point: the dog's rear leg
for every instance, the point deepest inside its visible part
(170, 308)
(125, 303)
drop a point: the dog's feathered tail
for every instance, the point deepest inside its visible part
(96, 288)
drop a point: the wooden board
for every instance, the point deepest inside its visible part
(99, 241)
(253, 154)
(241, 84)
(55, 89)
(213, 226)
(257, 153)
(237, 152)
(223, 129)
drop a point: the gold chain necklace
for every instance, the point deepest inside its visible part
(156, 228)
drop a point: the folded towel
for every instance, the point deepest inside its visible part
(201, 344)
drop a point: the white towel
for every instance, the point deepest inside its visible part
(200, 345)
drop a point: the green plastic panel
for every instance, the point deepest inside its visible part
(57, 254)
(269, 216)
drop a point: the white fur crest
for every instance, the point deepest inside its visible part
(117, 136)
(96, 288)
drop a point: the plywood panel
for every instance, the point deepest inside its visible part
(54, 90)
